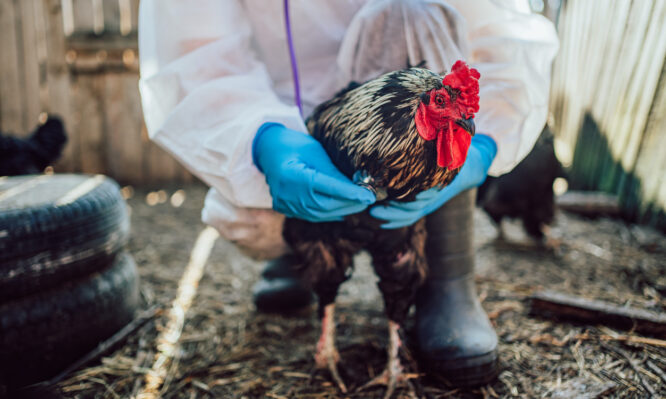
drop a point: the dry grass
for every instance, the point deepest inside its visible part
(227, 350)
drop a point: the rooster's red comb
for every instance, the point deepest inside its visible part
(466, 80)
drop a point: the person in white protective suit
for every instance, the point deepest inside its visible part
(218, 88)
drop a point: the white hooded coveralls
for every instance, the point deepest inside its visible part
(213, 71)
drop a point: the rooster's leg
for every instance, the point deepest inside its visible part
(327, 356)
(325, 259)
(392, 376)
(550, 242)
(401, 270)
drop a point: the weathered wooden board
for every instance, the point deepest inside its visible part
(77, 59)
(30, 64)
(11, 90)
(88, 119)
(607, 101)
(58, 81)
(593, 312)
(123, 127)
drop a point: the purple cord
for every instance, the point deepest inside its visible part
(292, 55)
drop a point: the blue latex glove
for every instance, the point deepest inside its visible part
(481, 153)
(302, 179)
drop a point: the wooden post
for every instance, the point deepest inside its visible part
(11, 78)
(58, 82)
(123, 127)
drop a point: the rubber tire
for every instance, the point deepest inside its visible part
(44, 243)
(43, 333)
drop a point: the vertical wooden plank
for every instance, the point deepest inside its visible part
(161, 166)
(30, 64)
(644, 82)
(98, 17)
(67, 10)
(41, 48)
(618, 117)
(589, 60)
(125, 24)
(84, 16)
(651, 163)
(571, 66)
(111, 11)
(567, 67)
(123, 127)
(604, 79)
(611, 56)
(58, 83)
(185, 175)
(88, 122)
(600, 22)
(634, 85)
(11, 116)
(557, 93)
(135, 13)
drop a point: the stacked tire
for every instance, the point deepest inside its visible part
(66, 282)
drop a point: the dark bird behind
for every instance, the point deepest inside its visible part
(400, 134)
(20, 156)
(525, 193)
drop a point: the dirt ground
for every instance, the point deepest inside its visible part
(228, 350)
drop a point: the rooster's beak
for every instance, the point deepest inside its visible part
(468, 125)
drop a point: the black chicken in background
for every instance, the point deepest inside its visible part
(22, 156)
(526, 192)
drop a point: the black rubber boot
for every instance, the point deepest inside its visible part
(455, 340)
(280, 290)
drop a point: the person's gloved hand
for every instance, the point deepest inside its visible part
(481, 153)
(302, 179)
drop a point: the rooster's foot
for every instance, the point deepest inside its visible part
(393, 377)
(550, 242)
(327, 356)
(391, 380)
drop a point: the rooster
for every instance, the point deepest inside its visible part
(28, 156)
(400, 134)
(526, 192)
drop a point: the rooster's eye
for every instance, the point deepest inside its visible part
(439, 99)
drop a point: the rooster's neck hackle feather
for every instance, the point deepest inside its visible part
(371, 127)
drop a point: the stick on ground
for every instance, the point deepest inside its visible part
(588, 311)
(167, 342)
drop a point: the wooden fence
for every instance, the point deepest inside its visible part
(78, 59)
(608, 103)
